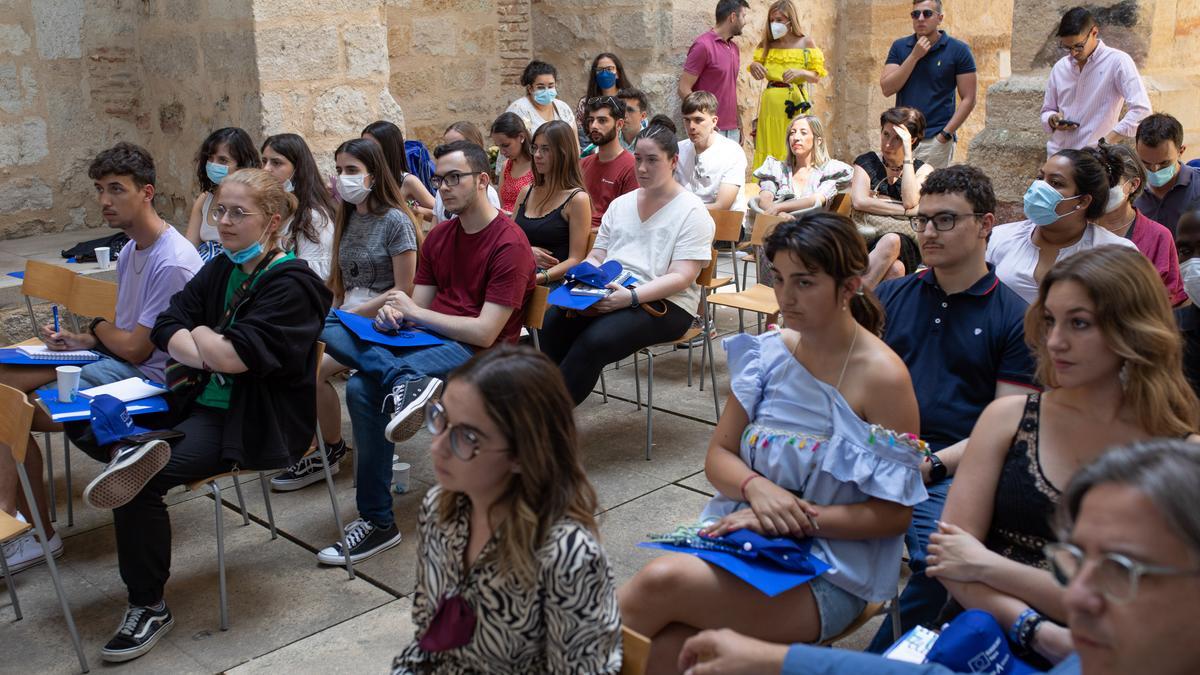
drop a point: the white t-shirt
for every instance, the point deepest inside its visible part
(1012, 251)
(316, 254)
(525, 110)
(723, 162)
(681, 230)
(439, 209)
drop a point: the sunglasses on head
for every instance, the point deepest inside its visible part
(922, 13)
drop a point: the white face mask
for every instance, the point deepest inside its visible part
(778, 30)
(288, 186)
(1190, 271)
(1116, 197)
(351, 189)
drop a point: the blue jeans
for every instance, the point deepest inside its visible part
(379, 368)
(923, 598)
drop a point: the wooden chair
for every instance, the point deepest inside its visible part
(15, 422)
(760, 297)
(635, 652)
(728, 230)
(93, 297)
(841, 204)
(535, 313)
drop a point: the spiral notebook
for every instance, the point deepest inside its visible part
(44, 353)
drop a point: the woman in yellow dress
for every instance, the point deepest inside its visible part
(790, 62)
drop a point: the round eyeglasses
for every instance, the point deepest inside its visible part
(236, 214)
(1114, 575)
(464, 441)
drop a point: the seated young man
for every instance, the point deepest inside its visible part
(156, 263)
(710, 166)
(1128, 558)
(961, 332)
(609, 172)
(474, 275)
(637, 111)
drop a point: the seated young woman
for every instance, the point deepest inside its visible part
(814, 443)
(555, 211)
(887, 184)
(1110, 356)
(254, 412)
(662, 234)
(807, 178)
(511, 577)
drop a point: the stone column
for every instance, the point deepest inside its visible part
(1161, 35)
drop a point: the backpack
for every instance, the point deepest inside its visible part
(420, 163)
(85, 251)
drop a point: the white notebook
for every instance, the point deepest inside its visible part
(44, 353)
(127, 390)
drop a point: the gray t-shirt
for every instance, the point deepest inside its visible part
(146, 280)
(367, 247)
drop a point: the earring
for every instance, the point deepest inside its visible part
(1124, 375)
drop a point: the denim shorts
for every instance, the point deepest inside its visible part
(836, 607)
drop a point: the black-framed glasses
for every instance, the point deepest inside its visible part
(236, 214)
(1076, 48)
(451, 179)
(922, 13)
(464, 441)
(942, 222)
(1114, 575)
(607, 69)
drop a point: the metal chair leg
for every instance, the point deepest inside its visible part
(637, 384)
(649, 402)
(536, 343)
(262, 482)
(689, 378)
(12, 588)
(58, 587)
(894, 611)
(337, 515)
(51, 495)
(220, 520)
(712, 376)
(603, 387)
(67, 470)
(237, 486)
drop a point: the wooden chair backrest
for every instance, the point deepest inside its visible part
(840, 204)
(93, 297)
(16, 416)
(729, 225)
(708, 272)
(535, 307)
(763, 224)
(591, 244)
(635, 649)
(47, 282)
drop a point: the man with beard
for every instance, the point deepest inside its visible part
(608, 173)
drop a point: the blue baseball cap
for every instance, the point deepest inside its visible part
(975, 643)
(111, 422)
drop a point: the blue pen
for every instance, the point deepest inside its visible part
(55, 310)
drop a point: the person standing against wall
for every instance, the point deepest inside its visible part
(924, 71)
(712, 65)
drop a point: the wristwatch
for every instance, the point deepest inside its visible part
(945, 135)
(937, 469)
(95, 322)
(633, 300)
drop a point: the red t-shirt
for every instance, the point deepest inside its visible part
(605, 181)
(493, 265)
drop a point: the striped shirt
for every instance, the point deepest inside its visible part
(1093, 96)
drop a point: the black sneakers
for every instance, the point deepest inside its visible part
(308, 470)
(365, 540)
(130, 469)
(408, 399)
(140, 630)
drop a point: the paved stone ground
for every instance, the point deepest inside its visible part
(286, 612)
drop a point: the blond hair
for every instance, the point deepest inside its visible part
(793, 12)
(268, 195)
(1134, 316)
(820, 148)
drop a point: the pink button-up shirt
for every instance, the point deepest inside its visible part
(1093, 96)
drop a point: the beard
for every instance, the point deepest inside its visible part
(603, 139)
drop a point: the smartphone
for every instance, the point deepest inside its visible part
(1068, 123)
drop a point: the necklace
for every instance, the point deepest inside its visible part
(146, 261)
(845, 363)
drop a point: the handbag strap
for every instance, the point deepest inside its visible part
(239, 295)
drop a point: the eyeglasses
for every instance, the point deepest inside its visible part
(607, 69)
(942, 222)
(922, 13)
(1076, 48)
(604, 100)
(1114, 575)
(451, 179)
(464, 441)
(236, 214)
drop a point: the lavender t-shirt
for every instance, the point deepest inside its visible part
(146, 280)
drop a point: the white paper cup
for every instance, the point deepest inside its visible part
(102, 257)
(400, 471)
(68, 383)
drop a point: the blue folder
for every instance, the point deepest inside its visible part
(364, 328)
(15, 357)
(81, 408)
(760, 572)
(589, 276)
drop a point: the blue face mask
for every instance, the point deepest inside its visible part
(1162, 176)
(249, 253)
(216, 172)
(606, 79)
(545, 96)
(1041, 200)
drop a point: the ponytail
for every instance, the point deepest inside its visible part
(867, 311)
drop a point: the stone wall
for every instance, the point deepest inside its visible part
(78, 76)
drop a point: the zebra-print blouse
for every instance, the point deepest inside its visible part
(568, 623)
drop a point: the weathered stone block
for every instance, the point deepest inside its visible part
(431, 35)
(297, 53)
(13, 40)
(18, 89)
(59, 28)
(171, 57)
(389, 109)
(366, 50)
(25, 194)
(228, 55)
(265, 10)
(171, 117)
(340, 112)
(23, 143)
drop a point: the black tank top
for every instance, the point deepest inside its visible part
(551, 231)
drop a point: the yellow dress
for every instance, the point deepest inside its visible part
(774, 112)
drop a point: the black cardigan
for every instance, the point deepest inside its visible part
(272, 406)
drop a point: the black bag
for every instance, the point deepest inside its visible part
(85, 251)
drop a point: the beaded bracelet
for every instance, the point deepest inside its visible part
(1018, 630)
